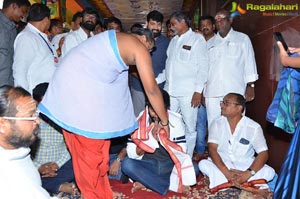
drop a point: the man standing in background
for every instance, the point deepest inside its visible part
(158, 56)
(87, 26)
(186, 74)
(207, 28)
(13, 11)
(35, 58)
(232, 66)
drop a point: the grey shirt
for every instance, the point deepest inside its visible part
(8, 34)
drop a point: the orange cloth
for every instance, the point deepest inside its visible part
(251, 183)
(90, 159)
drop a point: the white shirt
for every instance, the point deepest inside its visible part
(72, 40)
(231, 65)
(209, 43)
(33, 59)
(186, 65)
(19, 179)
(56, 39)
(240, 146)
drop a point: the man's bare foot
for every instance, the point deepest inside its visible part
(117, 195)
(69, 187)
(186, 190)
(137, 186)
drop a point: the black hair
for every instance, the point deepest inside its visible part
(145, 31)
(54, 22)
(155, 16)
(91, 11)
(168, 23)
(7, 3)
(100, 22)
(39, 91)
(8, 95)
(239, 99)
(113, 20)
(76, 16)
(135, 26)
(38, 12)
(224, 11)
(181, 16)
(208, 17)
(166, 99)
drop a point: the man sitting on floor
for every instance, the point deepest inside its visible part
(18, 130)
(232, 143)
(51, 156)
(155, 169)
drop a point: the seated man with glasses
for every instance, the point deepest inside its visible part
(18, 130)
(237, 150)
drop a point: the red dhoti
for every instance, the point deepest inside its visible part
(90, 159)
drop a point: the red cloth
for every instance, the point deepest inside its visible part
(90, 158)
(251, 183)
(142, 133)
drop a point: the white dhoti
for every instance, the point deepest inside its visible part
(216, 177)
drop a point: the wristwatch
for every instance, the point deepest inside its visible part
(119, 159)
(252, 85)
(252, 172)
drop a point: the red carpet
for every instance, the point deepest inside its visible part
(200, 190)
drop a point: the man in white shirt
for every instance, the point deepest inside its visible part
(207, 27)
(233, 141)
(18, 130)
(34, 57)
(186, 73)
(232, 66)
(76, 37)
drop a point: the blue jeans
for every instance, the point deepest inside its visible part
(112, 157)
(153, 174)
(64, 174)
(201, 127)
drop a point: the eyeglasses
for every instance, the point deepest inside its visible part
(32, 118)
(227, 103)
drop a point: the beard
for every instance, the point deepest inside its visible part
(156, 33)
(18, 141)
(88, 25)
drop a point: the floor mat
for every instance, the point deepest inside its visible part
(199, 191)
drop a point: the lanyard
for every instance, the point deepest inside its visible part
(55, 58)
(47, 44)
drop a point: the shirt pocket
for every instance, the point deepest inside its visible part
(185, 55)
(242, 148)
(233, 50)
